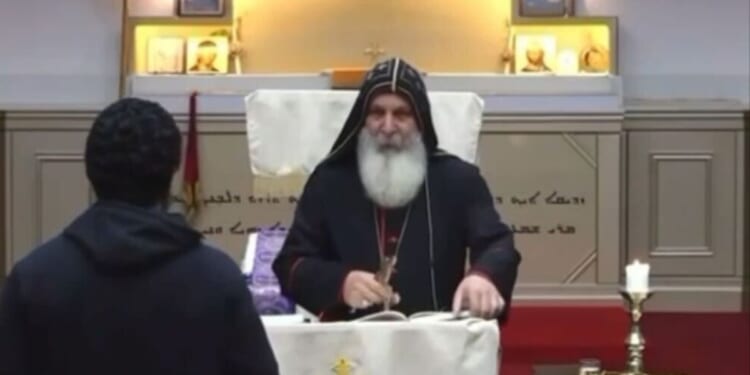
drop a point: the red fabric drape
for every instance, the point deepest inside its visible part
(191, 175)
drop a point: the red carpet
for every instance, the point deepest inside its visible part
(689, 343)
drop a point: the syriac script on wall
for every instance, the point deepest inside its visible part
(515, 202)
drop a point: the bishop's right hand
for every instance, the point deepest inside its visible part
(362, 291)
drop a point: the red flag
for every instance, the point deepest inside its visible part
(191, 177)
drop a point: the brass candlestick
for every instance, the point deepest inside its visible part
(635, 342)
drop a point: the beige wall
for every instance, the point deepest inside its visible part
(686, 201)
(629, 183)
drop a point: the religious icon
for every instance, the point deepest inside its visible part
(534, 54)
(208, 55)
(594, 59)
(201, 7)
(165, 55)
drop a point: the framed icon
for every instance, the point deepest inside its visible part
(207, 55)
(202, 8)
(166, 55)
(535, 54)
(545, 8)
(594, 59)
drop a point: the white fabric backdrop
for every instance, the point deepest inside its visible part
(291, 131)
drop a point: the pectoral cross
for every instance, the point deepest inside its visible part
(374, 51)
(383, 276)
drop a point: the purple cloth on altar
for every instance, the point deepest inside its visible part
(262, 282)
(269, 301)
(267, 248)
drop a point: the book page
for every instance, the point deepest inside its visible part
(443, 316)
(397, 316)
(384, 316)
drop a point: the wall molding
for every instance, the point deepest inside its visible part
(40, 159)
(664, 299)
(654, 248)
(636, 115)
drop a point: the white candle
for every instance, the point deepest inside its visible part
(637, 276)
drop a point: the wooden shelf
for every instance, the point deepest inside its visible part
(610, 22)
(179, 21)
(519, 25)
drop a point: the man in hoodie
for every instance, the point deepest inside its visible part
(128, 288)
(386, 218)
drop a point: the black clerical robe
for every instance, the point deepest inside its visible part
(337, 229)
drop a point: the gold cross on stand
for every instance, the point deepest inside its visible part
(374, 51)
(342, 367)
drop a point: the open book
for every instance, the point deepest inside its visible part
(397, 316)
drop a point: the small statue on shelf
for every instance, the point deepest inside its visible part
(235, 44)
(594, 57)
(506, 57)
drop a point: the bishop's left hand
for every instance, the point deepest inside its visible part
(480, 296)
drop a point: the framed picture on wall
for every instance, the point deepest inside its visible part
(545, 8)
(535, 54)
(201, 8)
(166, 55)
(207, 55)
(594, 59)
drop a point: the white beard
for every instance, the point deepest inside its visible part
(391, 177)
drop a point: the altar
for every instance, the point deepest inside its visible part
(430, 345)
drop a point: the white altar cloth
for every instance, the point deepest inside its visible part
(291, 131)
(419, 346)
